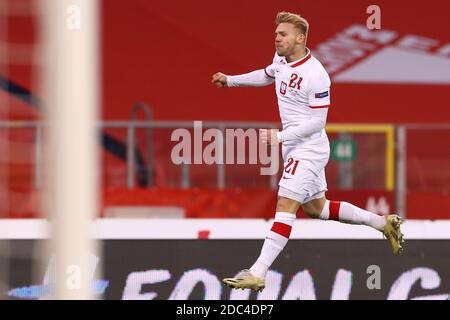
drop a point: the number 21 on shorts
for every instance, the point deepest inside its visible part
(291, 166)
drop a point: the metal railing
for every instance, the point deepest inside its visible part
(131, 126)
(131, 142)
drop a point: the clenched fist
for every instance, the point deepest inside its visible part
(220, 80)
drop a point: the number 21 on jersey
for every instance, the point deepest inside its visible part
(295, 81)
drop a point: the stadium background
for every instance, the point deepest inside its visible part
(163, 54)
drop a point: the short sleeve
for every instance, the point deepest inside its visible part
(319, 90)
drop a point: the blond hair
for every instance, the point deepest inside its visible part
(298, 21)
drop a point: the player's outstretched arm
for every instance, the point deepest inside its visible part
(256, 78)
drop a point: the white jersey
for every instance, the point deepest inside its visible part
(303, 91)
(301, 86)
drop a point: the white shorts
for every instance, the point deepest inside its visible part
(303, 178)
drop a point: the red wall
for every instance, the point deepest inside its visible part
(164, 53)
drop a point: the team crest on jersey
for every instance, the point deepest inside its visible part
(283, 87)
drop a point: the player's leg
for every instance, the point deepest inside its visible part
(274, 243)
(278, 235)
(343, 212)
(296, 184)
(348, 213)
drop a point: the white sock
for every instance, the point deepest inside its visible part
(347, 213)
(275, 241)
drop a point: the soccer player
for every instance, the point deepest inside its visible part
(303, 90)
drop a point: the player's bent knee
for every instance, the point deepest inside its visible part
(311, 212)
(314, 208)
(287, 205)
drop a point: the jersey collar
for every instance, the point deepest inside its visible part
(302, 60)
